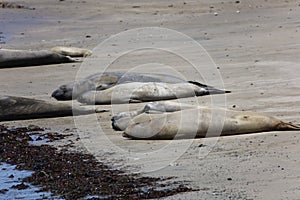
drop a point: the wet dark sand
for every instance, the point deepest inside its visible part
(68, 174)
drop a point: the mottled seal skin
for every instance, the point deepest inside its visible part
(105, 80)
(195, 122)
(71, 51)
(23, 58)
(138, 92)
(19, 108)
(120, 121)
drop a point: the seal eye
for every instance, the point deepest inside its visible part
(246, 117)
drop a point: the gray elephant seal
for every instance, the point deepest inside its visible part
(138, 92)
(103, 81)
(22, 58)
(195, 122)
(18, 108)
(71, 51)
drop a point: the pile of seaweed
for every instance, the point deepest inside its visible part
(74, 175)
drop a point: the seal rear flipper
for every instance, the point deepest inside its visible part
(287, 126)
(216, 91)
(209, 89)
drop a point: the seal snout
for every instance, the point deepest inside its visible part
(63, 93)
(113, 123)
(125, 135)
(59, 95)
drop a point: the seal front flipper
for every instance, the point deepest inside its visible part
(135, 101)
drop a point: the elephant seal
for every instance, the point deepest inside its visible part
(105, 80)
(195, 122)
(22, 58)
(18, 108)
(71, 51)
(138, 92)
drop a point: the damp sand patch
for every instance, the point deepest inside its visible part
(74, 175)
(12, 186)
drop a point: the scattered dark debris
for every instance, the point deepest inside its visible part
(3, 191)
(13, 5)
(51, 136)
(2, 38)
(20, 186)
(74, 175)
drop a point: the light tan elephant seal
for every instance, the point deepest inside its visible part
(71, 51)
(138, 92)
(199, 121)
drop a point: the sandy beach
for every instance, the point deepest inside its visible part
(253, 49)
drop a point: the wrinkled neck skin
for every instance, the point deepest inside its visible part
(73, 90)
(121, 120)
(81, 87)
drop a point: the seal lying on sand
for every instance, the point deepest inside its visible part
(102, 81)
(138, 92)
(22, 58)
(71, 51)
(17, 108)
(195, 122)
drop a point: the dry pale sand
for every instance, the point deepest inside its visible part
(255, 45)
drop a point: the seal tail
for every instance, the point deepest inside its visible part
(287, 126)
(210, 89)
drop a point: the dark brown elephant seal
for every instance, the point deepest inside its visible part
(22, 58)
(18, 108)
